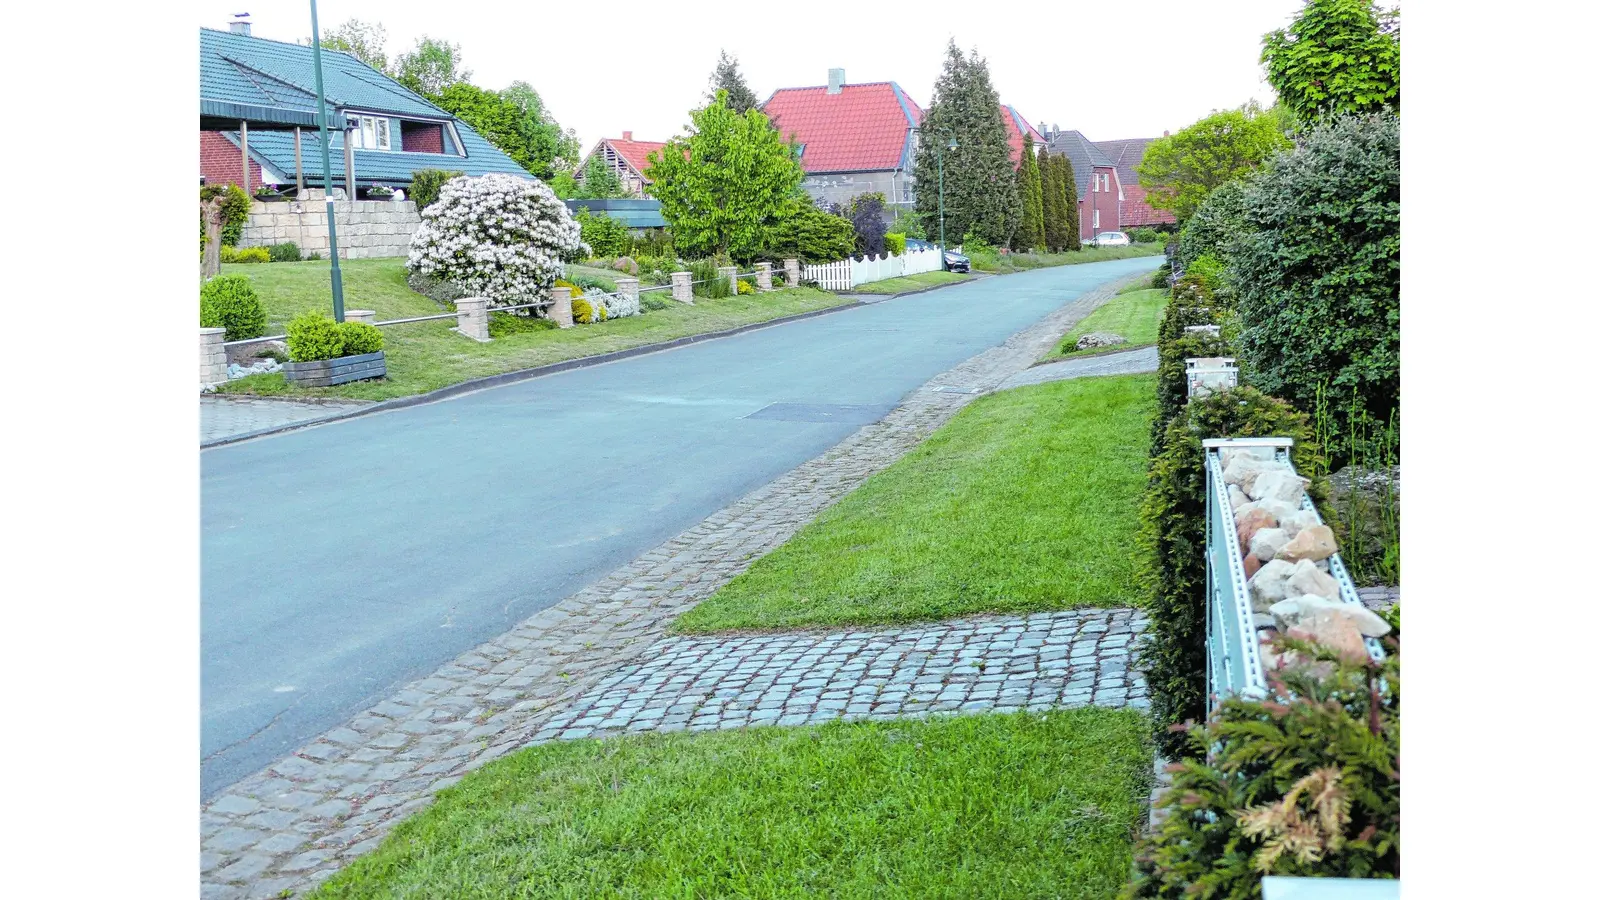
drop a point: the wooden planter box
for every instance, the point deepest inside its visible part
(329, 372)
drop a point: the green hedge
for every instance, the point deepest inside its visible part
(1173, 543)
(425, 185)
(230, 302)
(313, 336)
(358, 338)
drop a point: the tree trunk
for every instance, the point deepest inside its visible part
(211, 259)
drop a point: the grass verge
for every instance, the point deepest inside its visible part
(1027, 500)
(999, 805)
(1133, 314)
(1020, 262)
(426, 356)
(910, 283)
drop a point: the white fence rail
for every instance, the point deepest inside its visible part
(848, 273)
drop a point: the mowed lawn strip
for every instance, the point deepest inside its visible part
(1025, 501)
(998, 805)
(426, 356)
(911, 283)
(1133, 314)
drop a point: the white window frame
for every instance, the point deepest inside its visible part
(372, 133)
(1097, 221)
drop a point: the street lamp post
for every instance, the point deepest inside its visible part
(938, 154)
(327, 168)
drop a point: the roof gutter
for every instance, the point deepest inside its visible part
(255, 113)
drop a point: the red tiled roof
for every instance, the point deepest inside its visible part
(863, 128)
(637, 153)
(1016, 125)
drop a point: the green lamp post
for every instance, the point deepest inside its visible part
(938, 153)
(327, 168)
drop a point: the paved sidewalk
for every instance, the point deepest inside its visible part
(297, 821)
(1129, 362)
(226, 415)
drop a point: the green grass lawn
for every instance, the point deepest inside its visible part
(426, 356)
(910, 283)
(1019, 262)
(1134, 314)
(1026, 500)
(998, 805)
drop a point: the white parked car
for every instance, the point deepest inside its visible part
(1110, 239)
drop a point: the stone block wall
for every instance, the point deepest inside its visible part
(367, 228)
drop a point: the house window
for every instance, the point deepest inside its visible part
(372, 134)
(1097, 220)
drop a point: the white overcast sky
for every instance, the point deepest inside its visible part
(1110, 70)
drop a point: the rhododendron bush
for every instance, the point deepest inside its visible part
(496, 236)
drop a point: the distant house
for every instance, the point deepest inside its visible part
(853, 138)
(1136, 213)
(258, 120)
(628, 158)
(1099, 186)
(1016, 127)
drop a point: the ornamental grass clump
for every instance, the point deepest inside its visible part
(496, 236)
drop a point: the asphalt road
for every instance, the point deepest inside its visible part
(341, 561)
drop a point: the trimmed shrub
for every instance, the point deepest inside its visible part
(1207, 270)
(894, 243)
(426, 183)
(1172, 380)
(230, 302)
(1145, 236)
(288, 251)
(1173, 545)
(247, 255)
(312, 336)
(359, 338)
(1216, 225)
(1304, 782)
(1318, 276)
(604, 235)
(808, 234)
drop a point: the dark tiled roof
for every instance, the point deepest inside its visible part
(1085, 156)
(373, 166)
(863, 128)
(1125, 154)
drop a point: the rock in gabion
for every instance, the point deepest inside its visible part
(266, 365)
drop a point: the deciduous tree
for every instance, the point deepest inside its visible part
(1337, 56)
(1179, 170)
(431, 66)
(363, 40)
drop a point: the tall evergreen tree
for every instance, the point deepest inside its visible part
(1069, 204)
(1052, 198)
(727, 77)
(980, 184)
(1030, 189)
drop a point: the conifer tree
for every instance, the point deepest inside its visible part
(1069, 205)
(980, 183)
(1030, 189)
(727, 77)
(1051, 200)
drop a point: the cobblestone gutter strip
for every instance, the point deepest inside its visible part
(297, 821)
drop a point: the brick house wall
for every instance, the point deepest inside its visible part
(1137, 212)
(219, 161)
(1103, 200)
(421, 138)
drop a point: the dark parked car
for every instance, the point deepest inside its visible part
(956, 262)
(915, 245)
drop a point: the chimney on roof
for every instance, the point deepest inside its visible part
(627, 135)
(1165, 133)
(835, 80)
(240, 23)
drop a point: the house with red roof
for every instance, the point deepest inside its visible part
(1016, 127)
(628, 158)
(1136, 213)
(853, 138)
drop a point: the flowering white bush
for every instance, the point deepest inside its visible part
(496, 236)
(618, 305)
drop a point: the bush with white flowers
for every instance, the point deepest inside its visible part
(496, 236)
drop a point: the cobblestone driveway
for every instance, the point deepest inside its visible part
(297, 821)
(224, 416)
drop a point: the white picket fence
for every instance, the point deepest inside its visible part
(848, 273)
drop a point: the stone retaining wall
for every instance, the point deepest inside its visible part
(367, 228)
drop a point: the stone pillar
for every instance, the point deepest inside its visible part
(361, 315)
(213, 358)
(683, 287)
(763, 276)
(791, 272)
(472, 318)
(732, 274)
(561, 306)
(628, 287)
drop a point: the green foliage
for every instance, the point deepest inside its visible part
(1180, 170)
(1172, 382)
(365, 41)
(565, 186)
(430, 67)
(312, 336)
(1173, 542)
(865, 212)
(584, 312)
(809, 234)
(359, 338)
(425, 185)
(230, 302)
(600, 181)
(725, 187)
(1059, 203)
(745, 287)
(708, 282)
(1318, 275)
(505, 324)
(1304, 782)
(1216, 225)
(604, 235)
(895, 243)
(1144, 235)
(653, 302)
(1336, 57)
(235, 211)
(908, 223)
(1207, 270)
(287, 251)
(973, 243)
(1067, 183)
(246, 255)
(727, 77)
(436, 289)
(1030, 191)
(504, 124)
(980, 184)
